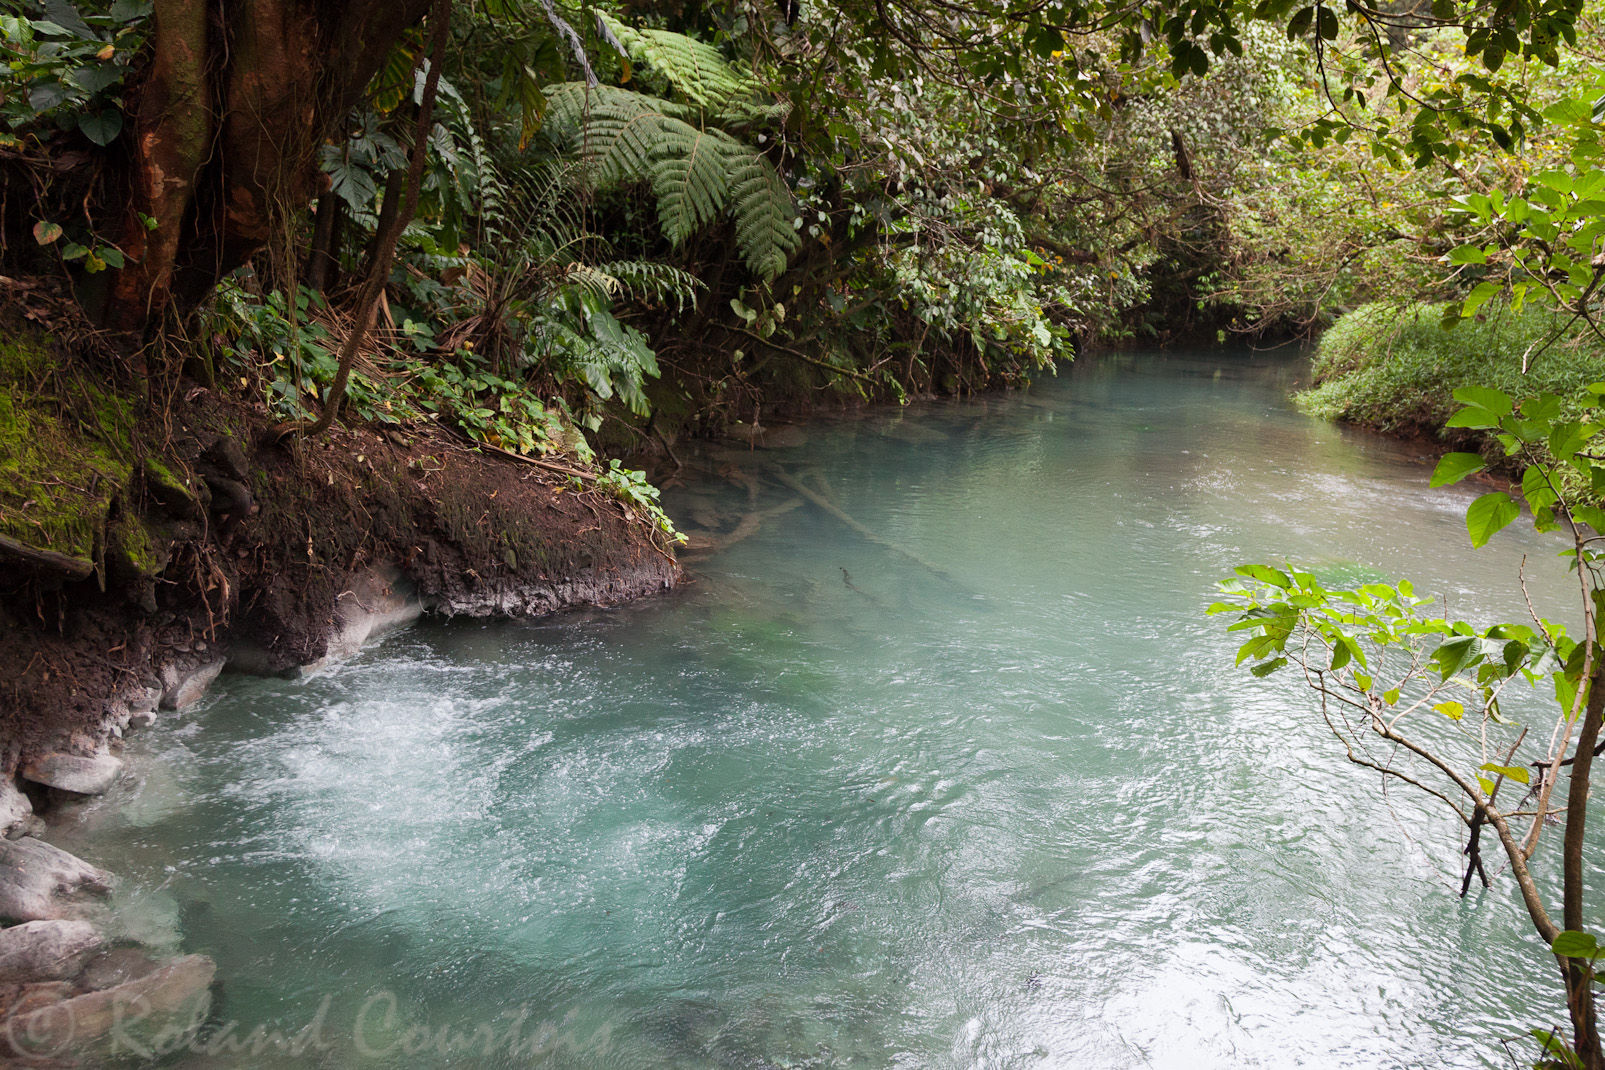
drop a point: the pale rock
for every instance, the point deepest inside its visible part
(46, 950)
(31, 1031)
(378, 601)
(71, 772)
(16, 812)
(39, 882)
(186, 688)
(33, 825)
(144, 1017)
(143, 700)
(162, 1003)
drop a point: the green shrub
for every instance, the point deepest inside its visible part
(1395, 368)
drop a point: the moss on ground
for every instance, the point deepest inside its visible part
(1396, 369)
(130, 548)
(66, 451)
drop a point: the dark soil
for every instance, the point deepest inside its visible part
(250, 541)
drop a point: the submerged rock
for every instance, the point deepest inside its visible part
(46, 950)
(145, 1017)
(183, 688)
(39, 882)
(176, 993)
(71, 772)
(23, 1007)
(116, 966)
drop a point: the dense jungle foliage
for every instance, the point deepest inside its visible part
(635, 220)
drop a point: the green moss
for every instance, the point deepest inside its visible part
(22, 359)
(130, 551)
(164, 483)
(1397, 369)
(65, 451)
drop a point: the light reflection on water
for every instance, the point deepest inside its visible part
(1029, 817)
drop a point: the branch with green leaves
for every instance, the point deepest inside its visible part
(1422, 699)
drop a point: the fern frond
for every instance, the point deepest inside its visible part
(747, 113)
(695, 172)
(691, 182)
(692, 67)
(619, 133)
(761, 205)
(653, 281)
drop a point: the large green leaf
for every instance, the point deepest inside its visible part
(1575, 945)
(1455, 654)
(1266, 574)
(1488, 515)
(1495, 401)
(1456, 466)
(103, 127)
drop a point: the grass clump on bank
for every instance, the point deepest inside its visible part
(1396, 368)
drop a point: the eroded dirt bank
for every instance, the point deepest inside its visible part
(219, 549)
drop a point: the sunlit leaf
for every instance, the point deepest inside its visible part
(1575, 945)
(1514, 772)
(1488, 515)
(1456, 466)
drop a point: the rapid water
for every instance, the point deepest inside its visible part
(824, 807)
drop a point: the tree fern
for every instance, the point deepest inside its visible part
(647, 280)
(696, 171)
(692, 185)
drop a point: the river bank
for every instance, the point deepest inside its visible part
(1395, 368)
(146, 548)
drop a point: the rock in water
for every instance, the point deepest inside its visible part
(16, 812)
(144, 1018)
(39, 882)
(378, 601)
(46, 950)
(74, 773)
(184, 688)
(115, 967)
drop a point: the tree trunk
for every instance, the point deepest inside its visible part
(389, 207)
(389, 234)
(239, 96)
(174, 135)
(1579, 985)
(323, 262)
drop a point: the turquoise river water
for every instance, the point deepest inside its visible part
(824, 807)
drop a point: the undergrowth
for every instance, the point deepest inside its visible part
(413, 377)
(1395, 368)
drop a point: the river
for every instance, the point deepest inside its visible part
(829, 807)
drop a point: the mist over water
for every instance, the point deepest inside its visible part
(825, 807)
